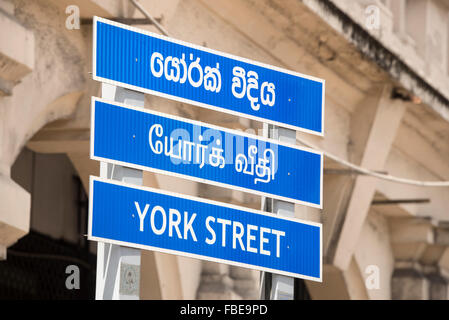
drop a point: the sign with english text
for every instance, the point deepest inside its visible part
(148, 140)
(152, 219)
(143, 61)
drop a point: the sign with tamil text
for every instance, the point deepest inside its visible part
(149, 140)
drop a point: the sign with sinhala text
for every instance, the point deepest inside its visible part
(161, 143)
(151, 219)
(155, 64)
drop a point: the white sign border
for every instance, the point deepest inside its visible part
(197, 256)
(196, 103)
(201, 180)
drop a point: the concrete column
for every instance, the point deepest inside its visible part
(409, 284)
(2, 252)
(14, 213)
(374, 126)
(216, 284)
(246, 282)
(438, 286)
(16, 57)
(416, 283)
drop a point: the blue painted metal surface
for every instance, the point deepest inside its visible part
(156, 220)
(149, 140)
(147, 62)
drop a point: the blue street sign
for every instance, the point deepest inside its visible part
(152, 219)
(151, 63)
(149, 140)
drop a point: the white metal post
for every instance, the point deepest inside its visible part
(118, 268)
(281, 287)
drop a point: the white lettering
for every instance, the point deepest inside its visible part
(164, 220)
(250, 237)
(224, 223)
(212, 232)
(141, 215)
(174, 223)
(264, 240)
(237, 235)
(278, 234)
(188, 226)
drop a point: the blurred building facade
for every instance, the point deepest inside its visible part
(386, 66)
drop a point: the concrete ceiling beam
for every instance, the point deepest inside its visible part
(374, 126)
(16, 57)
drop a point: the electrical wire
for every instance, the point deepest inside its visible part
(373, 173)
(149, 17)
